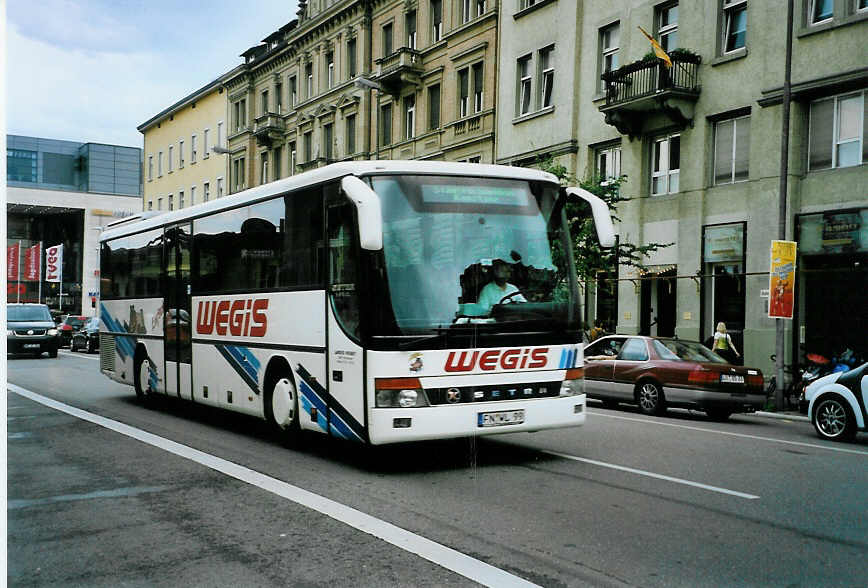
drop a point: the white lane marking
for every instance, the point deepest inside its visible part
(453, 560)
(653, 475)
(731, 434)
(79, 354)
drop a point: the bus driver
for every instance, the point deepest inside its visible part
(499, 290)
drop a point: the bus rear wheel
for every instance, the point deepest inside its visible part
(142, 376)
(281, 407)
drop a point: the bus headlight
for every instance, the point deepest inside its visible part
(574, 382)
(399, 393)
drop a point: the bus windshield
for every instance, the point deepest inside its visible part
(472, 253)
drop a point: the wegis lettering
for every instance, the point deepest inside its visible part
(238, 318)
(510, 359)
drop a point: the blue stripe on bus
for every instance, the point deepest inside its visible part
(124, 345)
(343, 423)
(309, 400)
(237, 357)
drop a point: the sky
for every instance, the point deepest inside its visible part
(94, 70)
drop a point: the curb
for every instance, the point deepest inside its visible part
(782, 416)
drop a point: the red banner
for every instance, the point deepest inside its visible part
(31, 263)
(12, 263)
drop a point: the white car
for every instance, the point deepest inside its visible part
(837, 402)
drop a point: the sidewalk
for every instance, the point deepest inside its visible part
(789, 415)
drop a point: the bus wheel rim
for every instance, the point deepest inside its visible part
(283, 402)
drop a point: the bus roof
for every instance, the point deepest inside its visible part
(324, 174)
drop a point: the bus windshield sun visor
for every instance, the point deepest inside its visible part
(602, 219)
(368, 207)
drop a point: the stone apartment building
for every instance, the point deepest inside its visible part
(700, 144)
(181, 167)
(295, 103)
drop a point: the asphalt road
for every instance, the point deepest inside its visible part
(170, 494)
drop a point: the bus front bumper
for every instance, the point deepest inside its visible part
(398, 425)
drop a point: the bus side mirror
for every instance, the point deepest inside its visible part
(367, 205)
(600, 212)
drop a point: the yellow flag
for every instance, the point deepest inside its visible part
(658, 50)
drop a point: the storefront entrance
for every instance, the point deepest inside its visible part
(658, 298)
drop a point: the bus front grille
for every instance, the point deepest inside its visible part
(106, 352)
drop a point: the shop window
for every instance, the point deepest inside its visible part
(724, 283)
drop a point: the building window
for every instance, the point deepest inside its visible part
(150, 205)
(735, 24)
(436, 20)
(608, 163)
(821, 11)
(264, 102)
(328, 140)
(609, 40)
(478, 85)
(308, 74)
(219, 142)
(278, 98)
(206, 191)
(463, 92)
(192, 195)
(547, 76)
(330, 68)
(238, 174)
(731, 150)
(666, 165)
(171, 202)
(522, 4)
(837, 132)
(410, 116)
(180, 154)
(219, 187)
(159, 204)
(480, 7)
(205, 145)
(277, 155)
(525, 84)
(351, 134)
(240, 112)
(308, 146)
(861, 5)
(160, 164)
(193, 154)
(667, 25)
(386, 124)
(434, 106)
(351, 58)
(180, 199)
(466, 10)
(410, 23)
(171, 156)
(387, 39)
(263, 167)
(150, 167)
(293, 92)
(293, 158)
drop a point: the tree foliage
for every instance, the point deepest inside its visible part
(591, 258)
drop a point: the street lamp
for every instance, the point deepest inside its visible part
(366, 84)
(220, 150)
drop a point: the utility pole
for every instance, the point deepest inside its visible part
(782, 199)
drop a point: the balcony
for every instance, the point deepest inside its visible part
(268, 128)
(646, 95)
(399, 69)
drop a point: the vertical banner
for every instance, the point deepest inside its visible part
(31, 263)
(12, 262)
(53, 259)
(782, 279)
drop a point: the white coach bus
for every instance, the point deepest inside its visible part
(377, 301)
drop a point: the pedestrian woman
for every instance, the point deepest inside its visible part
(723, 344)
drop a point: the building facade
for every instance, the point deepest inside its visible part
(295, 103)
(700, 145)
(181, 167)
(62, 193)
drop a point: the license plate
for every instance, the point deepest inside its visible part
(731, 379)
(501, 418)
(31, 346)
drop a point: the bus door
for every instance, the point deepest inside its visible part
(176, 312)
(345, 357)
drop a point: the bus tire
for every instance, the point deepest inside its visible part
(281, 404)
(141, 367)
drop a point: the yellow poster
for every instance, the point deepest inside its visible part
(782, 279)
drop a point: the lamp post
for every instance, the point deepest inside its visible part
(366, 84)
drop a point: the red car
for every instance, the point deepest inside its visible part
(656, 372)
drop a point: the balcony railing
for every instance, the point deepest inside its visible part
(267, 128)
(401, 67)
(649, 78)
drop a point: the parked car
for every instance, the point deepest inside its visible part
(70, 324)
(836, 403)
(656, 373)
(87, 337)
(29, 329)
